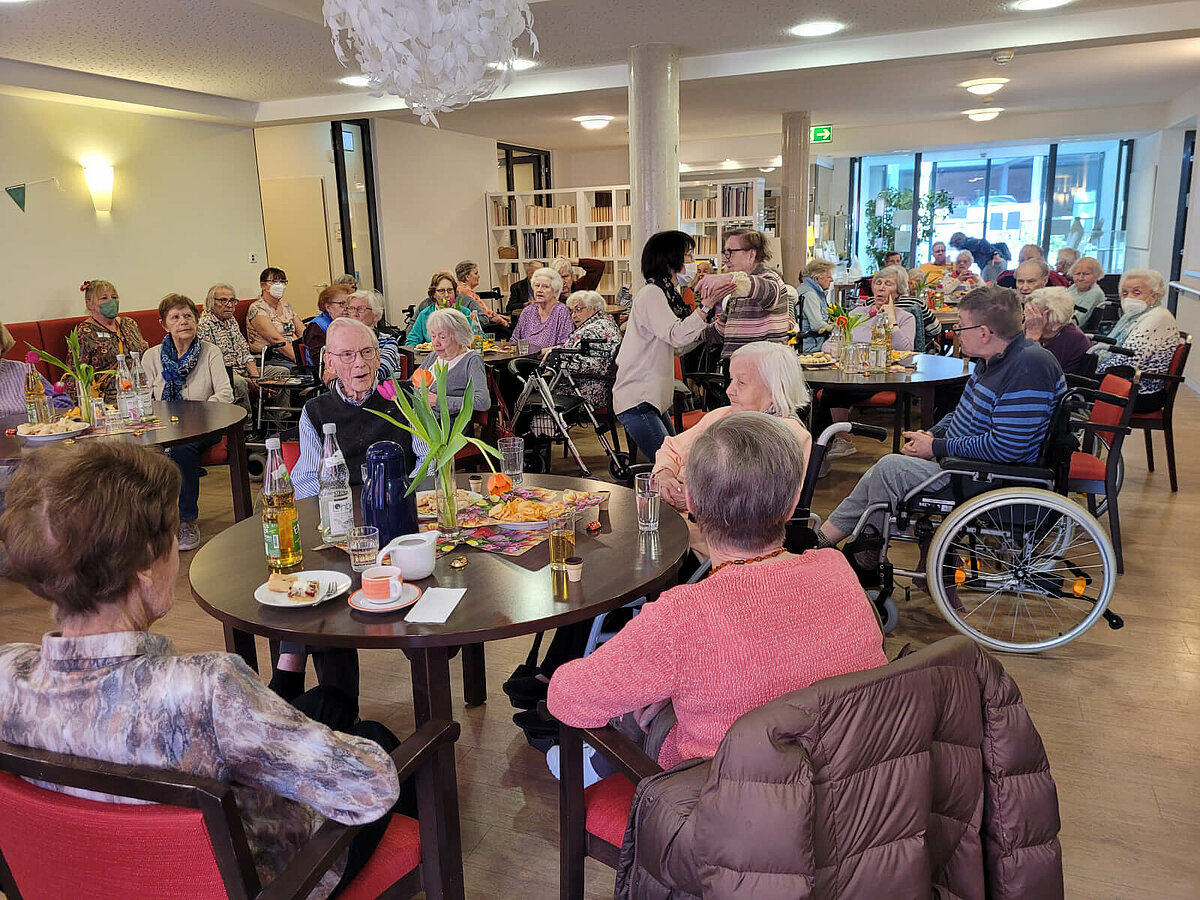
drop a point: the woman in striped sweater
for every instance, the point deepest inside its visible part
(754, 298)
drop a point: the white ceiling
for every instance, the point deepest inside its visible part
(893, 63)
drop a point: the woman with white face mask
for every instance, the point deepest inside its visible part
(271, 319)
(1149, 330)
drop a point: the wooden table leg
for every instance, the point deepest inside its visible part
(239, 473)
(438, 790)
(474, 675)
(926, 395)
(242, 643)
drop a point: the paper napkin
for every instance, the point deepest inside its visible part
(435, 606)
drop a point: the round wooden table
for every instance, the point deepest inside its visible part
(931, 372)
(506, 597)
(197, 419)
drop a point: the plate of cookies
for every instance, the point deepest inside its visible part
(815, 360)
(299, 589)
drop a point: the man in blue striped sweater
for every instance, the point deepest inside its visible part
(1003, 416)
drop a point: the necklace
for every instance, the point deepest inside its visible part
(743, 562)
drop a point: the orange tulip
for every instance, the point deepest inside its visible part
(842, 321)
(422, 378)
(499, 483)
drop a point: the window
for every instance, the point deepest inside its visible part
(356, 201)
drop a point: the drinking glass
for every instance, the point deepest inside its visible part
(363, 544)
(522, 347)
(562, 541)
(513, 452)
(646, 487)
(879, 359)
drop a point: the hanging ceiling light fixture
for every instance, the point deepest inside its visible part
(984, 87)
(593, 123)
(984, 114)
(437, 56)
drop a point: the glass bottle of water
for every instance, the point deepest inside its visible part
(127, 398)
(141, 387)
(337, 505)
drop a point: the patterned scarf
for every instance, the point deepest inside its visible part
(175, 371)
(674, 298)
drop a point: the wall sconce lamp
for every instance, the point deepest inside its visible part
(99, 179)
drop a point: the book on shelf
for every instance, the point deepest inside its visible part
(736, 201)
(508, 279)
(623, 213)
(550, 215)
(707, 245)
(502, 213)
(698, 209)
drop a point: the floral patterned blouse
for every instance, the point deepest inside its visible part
(600, 327)
(99, 347)
(129, 697)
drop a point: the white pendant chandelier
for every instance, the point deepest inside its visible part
(436, 55)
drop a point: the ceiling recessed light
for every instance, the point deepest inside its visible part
(1036, 5)
(766, 168)
(358, 81)
(984, 86)
(985, 114)
(517, 65)
(593, 123)
(816, 29)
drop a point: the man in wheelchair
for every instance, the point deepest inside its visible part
(1003, 417)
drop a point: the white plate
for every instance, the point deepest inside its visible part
(334, 584)
(472, 496)
(408, 596)
(80, 428)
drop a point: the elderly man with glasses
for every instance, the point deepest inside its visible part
(1003, 416)
(218, 326)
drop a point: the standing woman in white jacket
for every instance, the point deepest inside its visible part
(183, 367)
(660, 323)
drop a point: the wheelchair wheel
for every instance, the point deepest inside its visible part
(1021, 569)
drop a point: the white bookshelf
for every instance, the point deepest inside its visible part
(594, 222)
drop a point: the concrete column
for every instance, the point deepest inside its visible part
(653, 144)
(793, 204)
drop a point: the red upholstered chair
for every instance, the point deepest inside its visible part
(1162, 419)
(148, 324)
(1092, 475)
(190, 843)
(239, 312)
(291, 453)
(592, 821)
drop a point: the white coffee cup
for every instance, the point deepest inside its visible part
(382, 584)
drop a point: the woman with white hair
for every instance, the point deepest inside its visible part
(1048, 321)
(592, 323)
(367, 307)
(812, 308)
(962, 269)
(1086, 294)
(451, 336)
(763, 377)
(1149, 330)
(545, 322)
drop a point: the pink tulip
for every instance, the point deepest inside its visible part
(872, 313)
(32, 357)
(387, 389)
(59, 387)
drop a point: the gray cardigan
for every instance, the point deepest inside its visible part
(469, 370)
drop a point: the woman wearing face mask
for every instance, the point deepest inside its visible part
(1146, 328)
(271, 319)
(104, 334)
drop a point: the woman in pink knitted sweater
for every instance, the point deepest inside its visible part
(762, 624)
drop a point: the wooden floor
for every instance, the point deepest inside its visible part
(1119, 711)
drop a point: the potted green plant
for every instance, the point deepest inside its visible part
(83, 374)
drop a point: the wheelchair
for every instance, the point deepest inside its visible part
(1008, 559)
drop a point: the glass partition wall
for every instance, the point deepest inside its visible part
(1070, 194)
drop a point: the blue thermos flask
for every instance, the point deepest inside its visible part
(384, 503)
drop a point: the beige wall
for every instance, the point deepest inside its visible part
(591, 168)
(303, 151)
(185, 212)
(431, 187)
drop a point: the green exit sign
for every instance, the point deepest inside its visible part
(821, 134)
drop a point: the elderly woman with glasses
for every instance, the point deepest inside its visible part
(592, 322)
(755, 303)
(271, 319)
(367, 307)
(219, 327)
(443, 294)
(545, 322)
(451, 335)
(103, 686)
(743, 483)
(331, 304)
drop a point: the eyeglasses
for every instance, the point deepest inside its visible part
(368, 354)
(729, 251)
(357, 310)
(335, 303)
(275, 281)
(959, 329)
(232, 300)
(444, 291)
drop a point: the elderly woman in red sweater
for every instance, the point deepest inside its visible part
(763, 623)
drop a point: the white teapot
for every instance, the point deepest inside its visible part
(414, 554)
